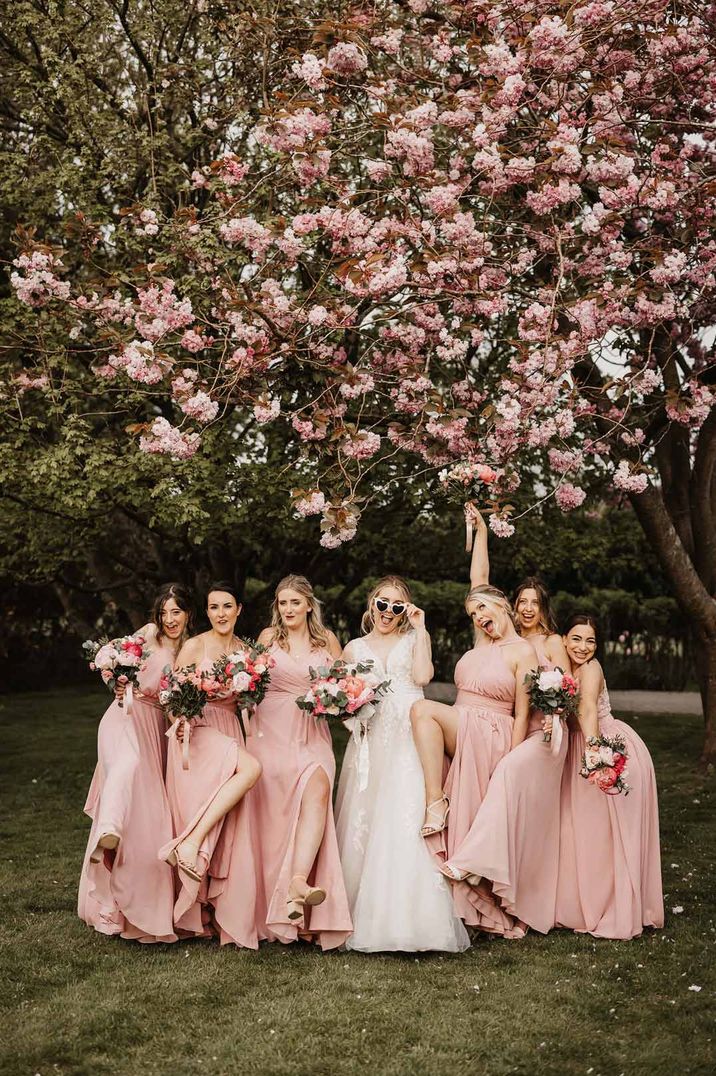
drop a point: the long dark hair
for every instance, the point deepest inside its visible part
(578, 619)
(184, 599)
(547, 619)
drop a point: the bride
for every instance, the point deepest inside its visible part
(399, 900)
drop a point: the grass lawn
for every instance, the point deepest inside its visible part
(75, 1002)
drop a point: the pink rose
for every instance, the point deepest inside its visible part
(604, 779)
(353, 686)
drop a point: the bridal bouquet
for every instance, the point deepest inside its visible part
(467, 481)
(554, 693)
(604, 764)
(347, 691)
(343, 690)
(184, 693)
(118, 661)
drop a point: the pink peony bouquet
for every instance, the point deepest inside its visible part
(604, 764)
(247, 673)
(118, 661)
(554, 693)
(343, 691)
(468, 481)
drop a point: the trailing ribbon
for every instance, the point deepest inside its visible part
(557, 734)
(129, 696)
(186, 731)
(360, 735)
(251, 724)
(468, 536)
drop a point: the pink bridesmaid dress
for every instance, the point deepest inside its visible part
(609, 865)
(128, 891)
(485, 707)
(513, 843)
(291, 746)
(223, 901)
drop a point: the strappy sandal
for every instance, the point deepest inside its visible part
(175, 860)
(429, 828)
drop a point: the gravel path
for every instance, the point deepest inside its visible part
(635, 702)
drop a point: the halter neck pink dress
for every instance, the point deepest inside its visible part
(291, 746)
(128, 891)
(513, 843)
(609, 865)
(204, 908)
(485, 707)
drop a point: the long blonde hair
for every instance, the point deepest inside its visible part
(368, 619)
(317, 630)
(490, 596)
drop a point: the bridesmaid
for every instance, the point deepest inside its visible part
(512, 847)
(489, 716)
(124, 889)
(300, 884)
(209, 833)
(532, 611)
(609, 867)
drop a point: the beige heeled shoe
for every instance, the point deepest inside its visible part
(313, 896)
(175, 860)
(429, 828)
(108, 842)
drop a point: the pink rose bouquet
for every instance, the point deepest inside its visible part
(554, 693)
(247, 673)
(343, 691)
(118, 661)
(604, 764)
(184, 693)
(468, 480)
(347, 692)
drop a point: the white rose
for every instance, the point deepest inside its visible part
(241, 681)
(551, 678)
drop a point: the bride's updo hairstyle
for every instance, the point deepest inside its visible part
(368, 620)
(314, 620)
(493, 599)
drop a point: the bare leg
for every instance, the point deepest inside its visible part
(309, 835)
(246, 776)
(435, 734)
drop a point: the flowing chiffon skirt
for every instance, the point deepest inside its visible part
(223, 901)
(513, 843)
(609, 865)
(128, 891)
(291, 747)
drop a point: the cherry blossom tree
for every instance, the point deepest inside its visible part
(434, 234)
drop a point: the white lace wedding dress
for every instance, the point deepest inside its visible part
(399, 899)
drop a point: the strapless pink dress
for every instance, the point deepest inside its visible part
(291, 746)
(609, 865)
(485, 707)
(204, 908)
(513, 843)
(128, 891)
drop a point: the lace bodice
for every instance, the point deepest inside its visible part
(397, 667)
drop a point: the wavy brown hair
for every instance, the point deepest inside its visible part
(184, 599)
(314, 620)
(547, 621)
(368, 619)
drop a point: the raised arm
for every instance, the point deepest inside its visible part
(590, 684)
(480, 563)
(423, 670)
(526, 662)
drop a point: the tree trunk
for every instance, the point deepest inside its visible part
(693, 598)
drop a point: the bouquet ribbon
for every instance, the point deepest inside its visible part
(129, 696)
(360, 730)
(557, 734)
(173, 734)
